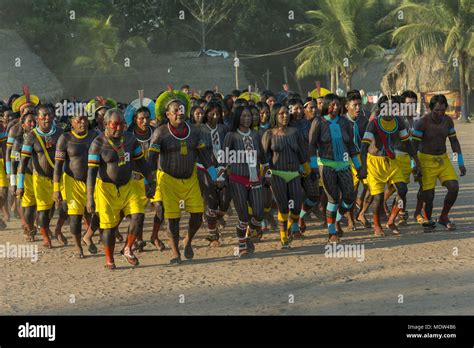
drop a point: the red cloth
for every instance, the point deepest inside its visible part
(243, 180)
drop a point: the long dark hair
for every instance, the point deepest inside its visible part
(328, 98)
(274, 114)
(236, 114)
(209, 107)
(191, 114)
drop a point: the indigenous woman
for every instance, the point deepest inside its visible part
(310, 187)
(285, 148)
(331, 148)
(196, 114)
(217, 200)
(3, 175)
(255, 118)
(245, 157)
(264, 115)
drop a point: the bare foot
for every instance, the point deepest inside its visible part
(379, 231)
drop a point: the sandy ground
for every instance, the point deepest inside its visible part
(415, 273)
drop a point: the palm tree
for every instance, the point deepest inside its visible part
(342, 40)
(103, 46)
(441, 25)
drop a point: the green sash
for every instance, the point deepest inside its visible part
(287, 176)
(336, 165)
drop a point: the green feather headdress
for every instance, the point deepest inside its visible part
(166, 98)
(251, 96)
(98, 103)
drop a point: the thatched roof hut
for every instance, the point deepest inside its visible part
(424, 73)
(370, 73)
(392, 74)
(20, 66)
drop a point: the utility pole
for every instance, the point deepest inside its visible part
(236, 65)
(268, 79)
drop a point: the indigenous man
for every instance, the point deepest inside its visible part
(310, 109)
(429, 135)
(110, 163)
(175, 147)
(71, 160)
(359, 123)
(138, 116)
(3, 173)
(407, 107)
(96, 109)
(20, 105)
(40, 147)
(383, 135)
(27, 204)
